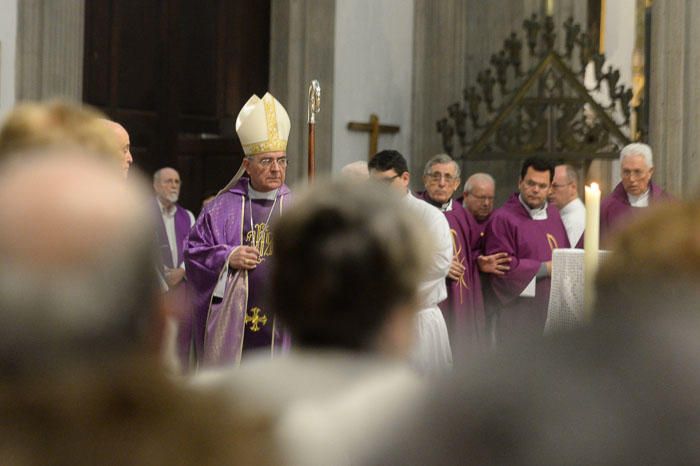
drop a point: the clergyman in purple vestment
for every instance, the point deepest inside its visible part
(173, 224)
(228, 251)
(464, 307)
(528, 229)
(635, 192)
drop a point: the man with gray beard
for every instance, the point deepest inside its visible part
(175, 225)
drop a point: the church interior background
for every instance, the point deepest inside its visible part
(175, 72)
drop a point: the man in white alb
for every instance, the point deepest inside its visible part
(432, 351)
(564, 195)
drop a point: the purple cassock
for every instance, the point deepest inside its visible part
(239, 320)
(464, 307)
(529, 243)
(183, 223)
(182, 230)
(616, 211)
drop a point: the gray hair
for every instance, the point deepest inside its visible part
(86, 286)
(156, 175)
(441, 158)
(571, 174)
(638, 148)
(476, 177)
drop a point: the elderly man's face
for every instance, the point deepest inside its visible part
(534, 187)
(563, 189)
(167, 186)
(267, 171)
(479, 201)
(125, 146)
(442, 182)
(635, 174)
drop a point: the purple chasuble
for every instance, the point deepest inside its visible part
(616, 211)
(222, 326)
(464, 307)
(529, 243)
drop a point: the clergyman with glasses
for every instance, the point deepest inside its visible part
(634, 192)
(228, 250)
(564, 196)
(464, 306)
(528, 229)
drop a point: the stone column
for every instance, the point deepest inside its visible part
(302, 48)
(453, 42)
(674, 126)
(50, 45)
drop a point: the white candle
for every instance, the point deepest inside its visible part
(591, 241)
(550, 7)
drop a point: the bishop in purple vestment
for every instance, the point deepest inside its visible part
(635, 192)
(528, 229)
(229, 248)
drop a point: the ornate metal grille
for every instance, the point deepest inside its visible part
(547, 110)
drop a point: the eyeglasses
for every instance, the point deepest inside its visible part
(633, 173)
(531, 184)
(483, 198)
(267, 162)
(387, 179)
(559, 186)
(436, 177)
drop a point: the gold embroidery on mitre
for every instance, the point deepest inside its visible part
(273, 143)
(552, 242)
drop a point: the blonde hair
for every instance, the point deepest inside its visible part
(34, 125)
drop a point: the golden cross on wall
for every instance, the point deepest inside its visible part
(374, 129)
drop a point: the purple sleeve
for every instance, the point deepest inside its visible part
(205, 255)
(501, 236)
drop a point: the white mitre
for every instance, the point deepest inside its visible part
(263, 125)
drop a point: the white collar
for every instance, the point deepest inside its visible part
(269, 195)
(639, 201)
(571, 206)
(169, 212)
(535, 214)
(446, 207)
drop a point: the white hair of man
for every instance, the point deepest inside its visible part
(159, 172)
(441, 159)
(77, 277)
(638, 148)
(478, 177)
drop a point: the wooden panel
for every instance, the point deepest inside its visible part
(171, 70)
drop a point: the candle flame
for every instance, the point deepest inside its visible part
(595, 187)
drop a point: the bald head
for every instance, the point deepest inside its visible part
(356, 171)
(122, 138)
(78, 263)
(479, 193)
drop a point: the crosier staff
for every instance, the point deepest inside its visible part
(313, 109)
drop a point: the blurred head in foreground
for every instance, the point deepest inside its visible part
(59, 124)
(656, 262)
(346, 266)
(80, 381)
(624, 390)
(78, 264)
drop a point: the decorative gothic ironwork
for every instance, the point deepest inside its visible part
(547, 110)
